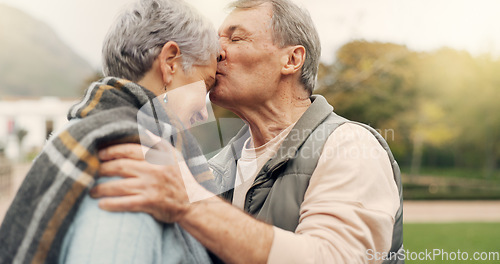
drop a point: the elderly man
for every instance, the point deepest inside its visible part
(323, 189)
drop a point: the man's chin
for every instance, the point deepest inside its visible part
(213, 95)
(218, 98)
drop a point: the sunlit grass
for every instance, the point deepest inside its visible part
(451, 237)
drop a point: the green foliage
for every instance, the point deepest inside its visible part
(450, 190)
(441, 105)
(436, 183)
(374, 83)
(378, 75)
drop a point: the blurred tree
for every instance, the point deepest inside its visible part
(439, 104)
(466, 90)
(374, 83)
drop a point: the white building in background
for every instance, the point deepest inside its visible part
(37, 116)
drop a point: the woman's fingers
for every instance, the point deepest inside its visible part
(132, 203)
(137, 203)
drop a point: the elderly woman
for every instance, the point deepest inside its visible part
(158, 49)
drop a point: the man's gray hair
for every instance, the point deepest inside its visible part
(292, 25)
(138, 35)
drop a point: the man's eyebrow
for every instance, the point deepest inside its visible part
(231, 29)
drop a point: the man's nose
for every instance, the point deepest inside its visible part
(222, 54)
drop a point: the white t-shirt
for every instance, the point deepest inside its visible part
(251, 162)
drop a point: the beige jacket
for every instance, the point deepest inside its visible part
(348, 207)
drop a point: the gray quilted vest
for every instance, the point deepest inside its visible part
(279, 188)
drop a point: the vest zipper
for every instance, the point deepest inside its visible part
(267, 178)
(250, 190)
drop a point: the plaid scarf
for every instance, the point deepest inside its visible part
(113, 111)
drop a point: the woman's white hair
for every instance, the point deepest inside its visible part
(292, 25)
(137, 37)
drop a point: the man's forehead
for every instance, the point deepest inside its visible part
(242, 19)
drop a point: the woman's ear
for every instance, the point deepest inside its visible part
(293, 60)
(169, 61)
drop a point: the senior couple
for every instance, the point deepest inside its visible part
(295, 184)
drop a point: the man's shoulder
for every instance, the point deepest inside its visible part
(356, 134)
(354, 128)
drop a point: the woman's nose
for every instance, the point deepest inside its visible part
(203, 114)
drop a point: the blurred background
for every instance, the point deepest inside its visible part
(425, 74)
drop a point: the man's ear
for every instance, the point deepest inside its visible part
(294, 60)
(169, 61)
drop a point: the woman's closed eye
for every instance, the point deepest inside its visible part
(199, 116)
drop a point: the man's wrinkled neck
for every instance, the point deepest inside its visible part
(266, 121)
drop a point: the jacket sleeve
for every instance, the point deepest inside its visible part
(348, 211)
